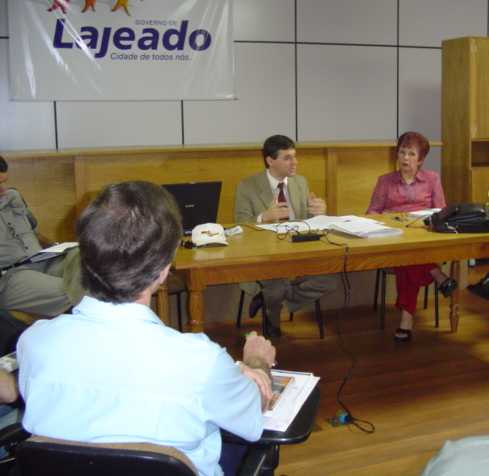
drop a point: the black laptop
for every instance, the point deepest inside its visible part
(198, 202)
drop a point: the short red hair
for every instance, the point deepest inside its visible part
(414, 139)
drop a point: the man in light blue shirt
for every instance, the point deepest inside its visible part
(111, 371)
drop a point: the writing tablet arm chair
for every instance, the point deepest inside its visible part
(40, 456)
(10, 437)
(270, 441)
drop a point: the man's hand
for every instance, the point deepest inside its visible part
(263, 382)
(315, 205)
(258, 352)
(8, 387)
(276, 212)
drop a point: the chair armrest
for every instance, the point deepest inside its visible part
(13, 434)
(253, 461)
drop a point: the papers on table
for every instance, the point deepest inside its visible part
(366, 230)
(427, 212)
(350, 224)
(292, 396)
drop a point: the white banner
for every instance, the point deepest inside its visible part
(121, 49)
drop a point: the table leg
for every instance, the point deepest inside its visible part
(196, 310)
(162, 307)
(455, 297)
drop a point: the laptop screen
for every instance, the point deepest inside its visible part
(198, 202)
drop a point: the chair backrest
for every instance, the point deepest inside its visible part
(39, 456)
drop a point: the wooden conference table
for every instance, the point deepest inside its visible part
(256, 255)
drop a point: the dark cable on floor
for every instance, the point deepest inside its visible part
(350, 419)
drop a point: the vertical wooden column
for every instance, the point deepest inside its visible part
(331, 181)
(80, 183)
(162, 307)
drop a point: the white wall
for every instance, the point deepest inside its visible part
(312, 69)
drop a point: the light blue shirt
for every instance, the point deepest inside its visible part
(115, 373)
(465, 457)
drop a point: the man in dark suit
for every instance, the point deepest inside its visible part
(273, 195)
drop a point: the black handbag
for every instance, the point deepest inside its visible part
(460, 218)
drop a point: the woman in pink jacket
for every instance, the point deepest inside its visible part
(409, 189)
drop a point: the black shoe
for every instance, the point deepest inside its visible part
(448, 286)
(402, 335)
(255, 304)
(481, 288)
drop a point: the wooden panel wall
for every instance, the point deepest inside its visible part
(481, 89)
(458, 118)
(58, 186)
(48, 186)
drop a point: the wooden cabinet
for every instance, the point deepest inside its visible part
(465, 119)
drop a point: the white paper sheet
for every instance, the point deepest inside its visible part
(290, 401)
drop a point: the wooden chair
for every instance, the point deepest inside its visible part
(40, 456)
(317, 313)
(380, 286)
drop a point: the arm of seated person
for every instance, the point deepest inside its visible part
(8, 387)
(315, 205)
(231, 400)
(263, 380)
(258, 358)
(275, 212)
(377, 202)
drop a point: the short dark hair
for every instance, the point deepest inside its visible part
(3, 165)
(414, 139)
(274, 144)
(127, 235)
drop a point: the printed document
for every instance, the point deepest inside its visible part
(50, 252)
(427, 212)
(291, 390)
(350, 224)
(319, 222)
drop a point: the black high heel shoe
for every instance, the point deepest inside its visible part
(448, 286)
(402, 335)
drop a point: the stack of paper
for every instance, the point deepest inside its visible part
(320, 222)
(366, 230)
(292, 390)
(51, 252)
(427, 212)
